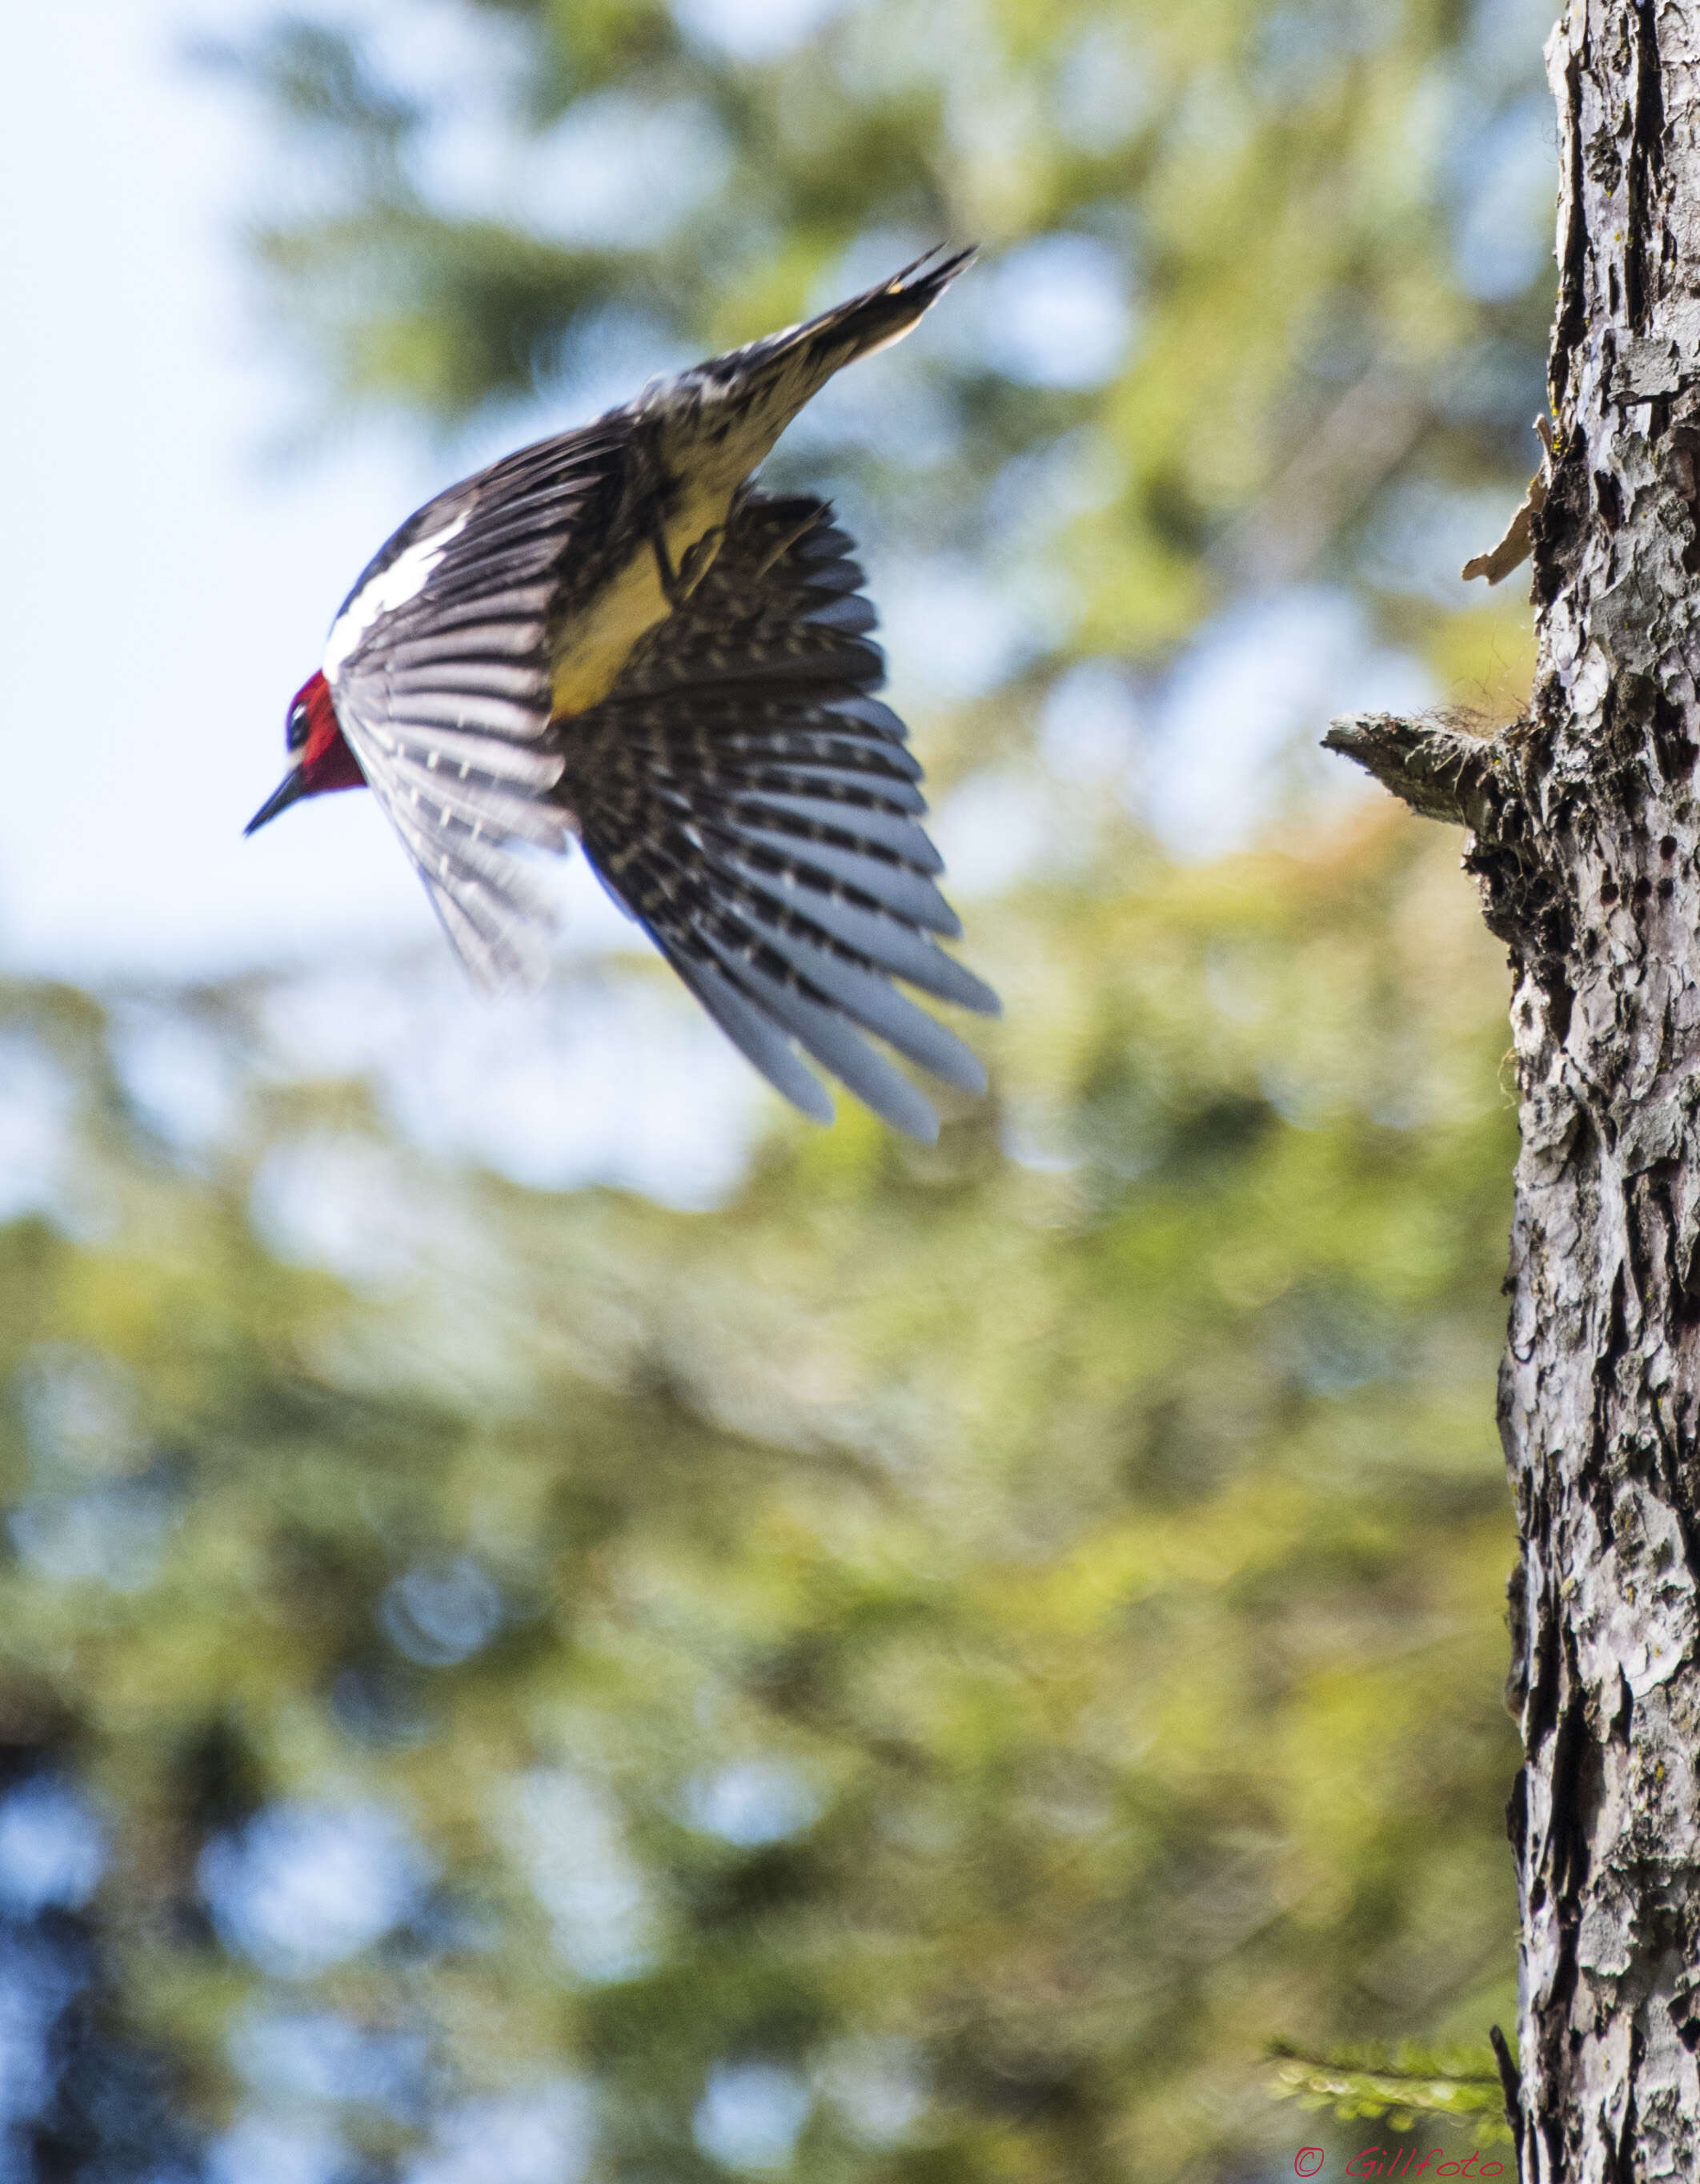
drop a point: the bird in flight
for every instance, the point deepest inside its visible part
(613, 634)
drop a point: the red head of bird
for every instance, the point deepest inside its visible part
(321, 758)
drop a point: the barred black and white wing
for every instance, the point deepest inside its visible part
(438, 663)
(745, 796)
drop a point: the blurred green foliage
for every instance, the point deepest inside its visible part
(920, 1672)
(987, 1640)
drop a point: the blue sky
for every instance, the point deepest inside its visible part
(170, 563)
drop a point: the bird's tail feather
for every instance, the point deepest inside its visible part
(763, 386)
(881, 315)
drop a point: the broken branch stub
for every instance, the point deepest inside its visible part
(1444, 772)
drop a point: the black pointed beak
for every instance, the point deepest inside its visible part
(293, 784)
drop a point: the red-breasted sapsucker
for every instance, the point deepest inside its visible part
(614, 634)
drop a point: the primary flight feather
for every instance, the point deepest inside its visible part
(614, 634)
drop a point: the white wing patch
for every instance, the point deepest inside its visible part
(404, 579)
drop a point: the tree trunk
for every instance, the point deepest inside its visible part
(1585, 839)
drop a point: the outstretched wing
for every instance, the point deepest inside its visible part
(439, 665)
(741, 793)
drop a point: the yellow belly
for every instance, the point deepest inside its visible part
(596, 644)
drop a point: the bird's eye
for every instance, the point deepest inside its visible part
(295, 734)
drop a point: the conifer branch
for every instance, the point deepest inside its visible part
(1400, 2083)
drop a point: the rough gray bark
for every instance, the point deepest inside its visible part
(1585, 840)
